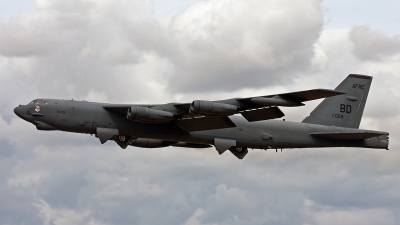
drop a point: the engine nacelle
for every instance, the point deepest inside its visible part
(148, 115)
(209, 108)
(150, 143)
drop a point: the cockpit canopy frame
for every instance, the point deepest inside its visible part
(38, 101)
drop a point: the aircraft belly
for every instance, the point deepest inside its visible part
(333, 123)
(262, 134)
(167, 131)
(267, 134)
(283, 134)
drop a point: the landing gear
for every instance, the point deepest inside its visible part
(239, 151)
(122, 138)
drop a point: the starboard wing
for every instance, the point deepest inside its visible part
(295, 98)
(259, 107)
(252, 108)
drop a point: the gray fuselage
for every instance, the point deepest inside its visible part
(86, 117)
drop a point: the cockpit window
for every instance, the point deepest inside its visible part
(38, 102)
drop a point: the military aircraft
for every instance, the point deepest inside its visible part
(201, 123)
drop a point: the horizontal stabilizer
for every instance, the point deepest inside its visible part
(205, 123)
(262, 114)
(347, 136)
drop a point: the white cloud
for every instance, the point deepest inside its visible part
(118, 51)
(194, 219)
(126, 187)
(96, 96)
(320, 215)
(220, 41)
(374, 45)
(65, 216)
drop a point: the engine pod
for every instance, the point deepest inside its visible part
(210, 108)
(148, 115)
(150, 143)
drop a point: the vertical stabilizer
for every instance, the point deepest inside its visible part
(344, 110)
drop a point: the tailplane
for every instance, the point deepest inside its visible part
(344, 110)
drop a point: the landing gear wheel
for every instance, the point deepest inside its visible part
(239, 151)
(122, 138)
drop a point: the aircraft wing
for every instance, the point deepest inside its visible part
(208, 115)
(292, 98)
(171, 113)
(254, 108)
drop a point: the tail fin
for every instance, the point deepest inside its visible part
(344, 110)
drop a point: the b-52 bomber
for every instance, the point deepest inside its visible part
(203, 124)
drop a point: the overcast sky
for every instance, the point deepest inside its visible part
(143, 51)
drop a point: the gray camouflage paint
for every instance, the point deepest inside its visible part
(334, 116)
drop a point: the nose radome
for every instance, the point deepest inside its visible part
(18, 111)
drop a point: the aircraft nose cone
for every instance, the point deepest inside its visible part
(18, 111)
(22, 111)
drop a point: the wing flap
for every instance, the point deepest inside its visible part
(262, 114)
(205, 123)
(346, 136)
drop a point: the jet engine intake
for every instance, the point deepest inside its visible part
(150, 143)
(148, 115)
(209, 108)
